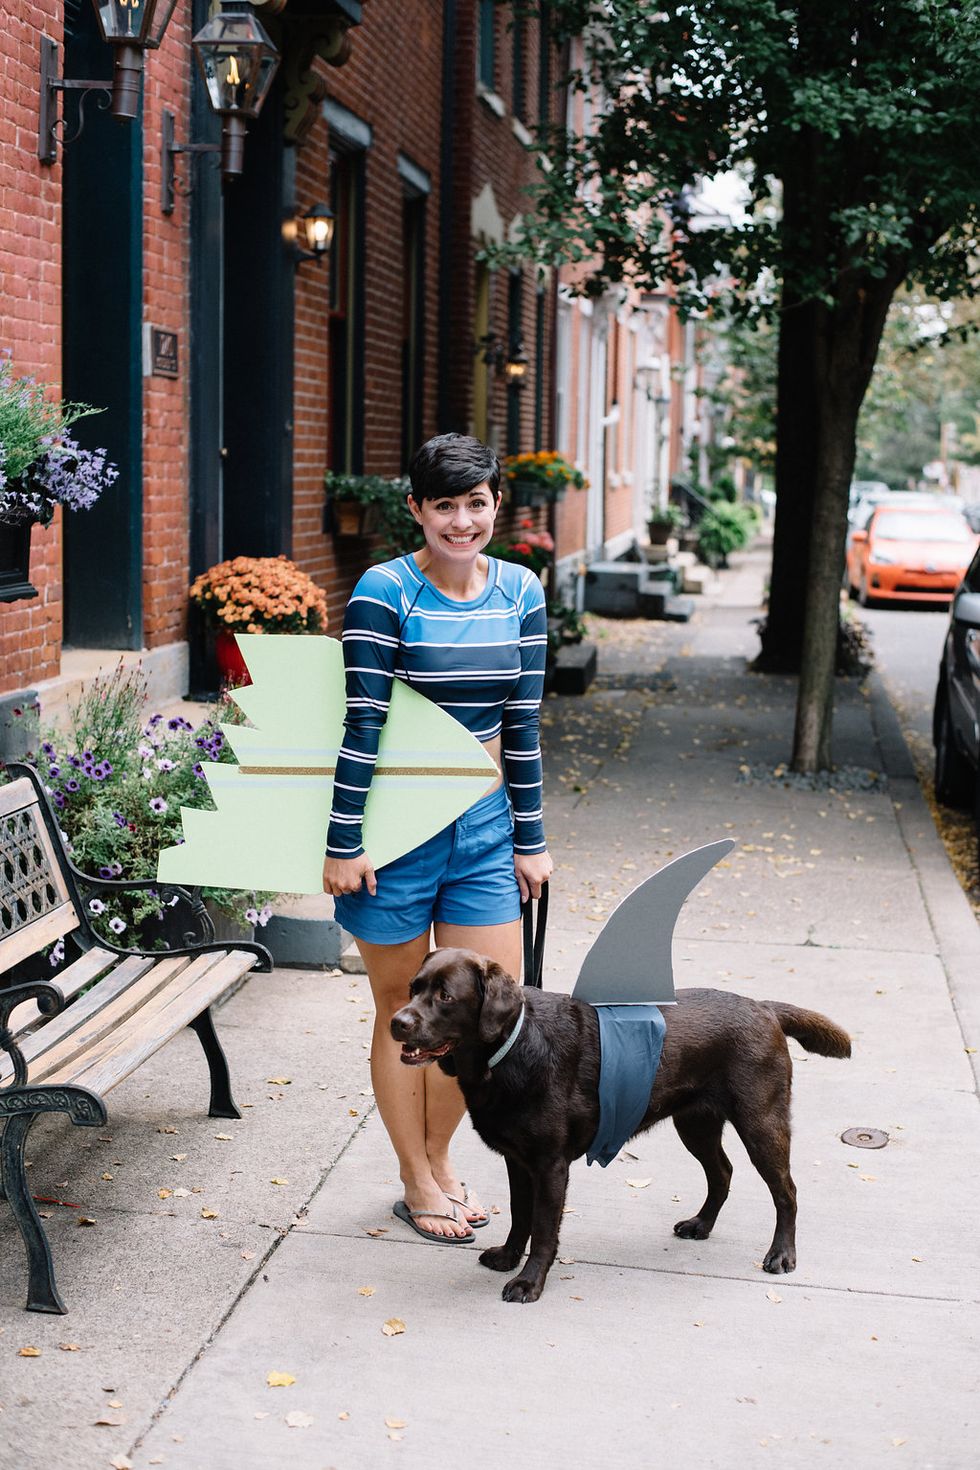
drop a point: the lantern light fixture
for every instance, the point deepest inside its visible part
(510, 363)
(310, 234)
(130, 27)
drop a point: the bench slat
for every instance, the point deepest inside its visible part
(31, 938)
(89, 1013)
(69, 981)
(158, 1021)
(85, 1047)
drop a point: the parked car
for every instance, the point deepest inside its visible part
(909, 552)
(956, 713)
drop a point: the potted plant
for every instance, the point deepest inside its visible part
(723, 529)
(41, 467)
(118, 781)
(362, 505)
(529, 548)
(663, 522)
(256, 594)
(541, 477)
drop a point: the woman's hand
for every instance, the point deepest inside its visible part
(345, 875)
(532, 870)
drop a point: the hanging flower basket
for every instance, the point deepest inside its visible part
(540, 478)
(15, 562)
(531, 492)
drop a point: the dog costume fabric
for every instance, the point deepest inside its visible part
(631, 1039)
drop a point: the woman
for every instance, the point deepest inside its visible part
(470, 633)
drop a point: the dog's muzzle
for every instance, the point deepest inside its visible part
(404, 1025)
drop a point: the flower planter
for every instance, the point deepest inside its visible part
(353, 517)
(529, 492)
(231, 665)
(660, 532)
(15, 561)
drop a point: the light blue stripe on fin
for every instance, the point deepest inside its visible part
(630, 962)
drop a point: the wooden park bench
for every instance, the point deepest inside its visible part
(66, 1042)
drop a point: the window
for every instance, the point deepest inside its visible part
(413, 321)
(544, 64)
(518, 100)
(345, 416)
(486, 49)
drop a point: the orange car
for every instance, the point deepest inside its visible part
(909, 554)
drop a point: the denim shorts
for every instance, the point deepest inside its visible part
(464, 875)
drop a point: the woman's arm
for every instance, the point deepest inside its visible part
(521, 744)
(370, 640)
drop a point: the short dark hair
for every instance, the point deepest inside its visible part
(451, 464)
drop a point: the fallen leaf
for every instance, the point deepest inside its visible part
(343, 1414)
(224, 1137)
(209, 1214)
(69, 1347)
(697, 1324)
(178, 1158)
(353, 1113)
(970, 1051)
(166, 1130)
(107, 1176)
(393, 1434)
(897, 1442)
(85, 1220)
(773, 1295)
(182, 1193)
(262, 1414)
(638, 1183)
(115, 1403)
(29, 1352)
(566, 1260)
(366, 1290)
(121, 1463)
(279, 1081)
(380, 1230)
(396, 1423)
(278, 1181)
(276, 1379)
(298, 1420)
(393, 1327)
(164, 1193)
(248, 1255)
(113, 1420)
(917, 1258)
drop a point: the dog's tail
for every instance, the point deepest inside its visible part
(811, 1030)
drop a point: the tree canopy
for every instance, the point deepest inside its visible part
(853, 124)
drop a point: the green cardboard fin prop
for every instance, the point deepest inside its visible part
(273, 807)
(630, 962)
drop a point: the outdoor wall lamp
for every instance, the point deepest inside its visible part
(130, 27)
(511, 364)
(237, 63)
(310, 234)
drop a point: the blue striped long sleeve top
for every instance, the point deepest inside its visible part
(482, 661)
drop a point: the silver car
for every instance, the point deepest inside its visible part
(956, 714)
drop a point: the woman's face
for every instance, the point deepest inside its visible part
(457, 526)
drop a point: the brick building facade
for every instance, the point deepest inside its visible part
(411, 121)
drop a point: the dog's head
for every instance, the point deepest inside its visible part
(458, 999)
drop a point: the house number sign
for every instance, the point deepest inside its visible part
(160, 354)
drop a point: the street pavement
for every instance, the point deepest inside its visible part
(645, 1350)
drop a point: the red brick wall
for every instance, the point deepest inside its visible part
(30, 310)
(166, 401)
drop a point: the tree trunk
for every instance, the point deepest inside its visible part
(845, 345)
(796, 434)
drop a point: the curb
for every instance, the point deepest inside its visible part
(953, 922)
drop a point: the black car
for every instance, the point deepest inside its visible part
(956, 715)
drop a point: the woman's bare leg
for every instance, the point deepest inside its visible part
(402, 1093)
(444, 1105)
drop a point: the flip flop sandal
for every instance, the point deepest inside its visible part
(401, 1212)
(465, 1204)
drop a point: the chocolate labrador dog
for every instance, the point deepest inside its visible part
(724, 1059)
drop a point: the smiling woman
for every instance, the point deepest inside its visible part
(470, 633)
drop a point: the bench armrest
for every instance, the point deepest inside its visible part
(49, 1002)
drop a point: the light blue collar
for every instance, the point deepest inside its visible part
(502, 1051)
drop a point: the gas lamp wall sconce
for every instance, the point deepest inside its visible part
(310, 235)
(237, 62)
(130, 27)
(510, 363)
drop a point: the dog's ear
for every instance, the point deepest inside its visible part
(501, 1002)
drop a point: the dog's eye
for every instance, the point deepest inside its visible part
(446, 999)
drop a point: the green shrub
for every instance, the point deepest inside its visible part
(723, 529)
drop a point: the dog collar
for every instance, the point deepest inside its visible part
(502, 1051)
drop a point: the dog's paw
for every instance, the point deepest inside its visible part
(499, 1258)
(693, 1229)
(522, 1290)
(780, 1260)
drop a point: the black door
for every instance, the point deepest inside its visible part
(102, 265)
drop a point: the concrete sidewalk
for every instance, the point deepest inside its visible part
(645, 1349)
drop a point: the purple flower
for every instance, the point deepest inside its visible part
(96, 906)
(57, 953)
(74, 761)
(198, 770)
(105, 872)
(66, 475)
(48, 749)
(158, 805)
(164, 764)
(154, 720)
(59, 800)
(119, 819)
(179, 723)
(54, 770)
(102, 770)
(73, 785)
(251, 917)
(117, 925)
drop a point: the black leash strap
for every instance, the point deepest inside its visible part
(534, 941)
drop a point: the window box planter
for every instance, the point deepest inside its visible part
(352, 517)
(15, 560)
